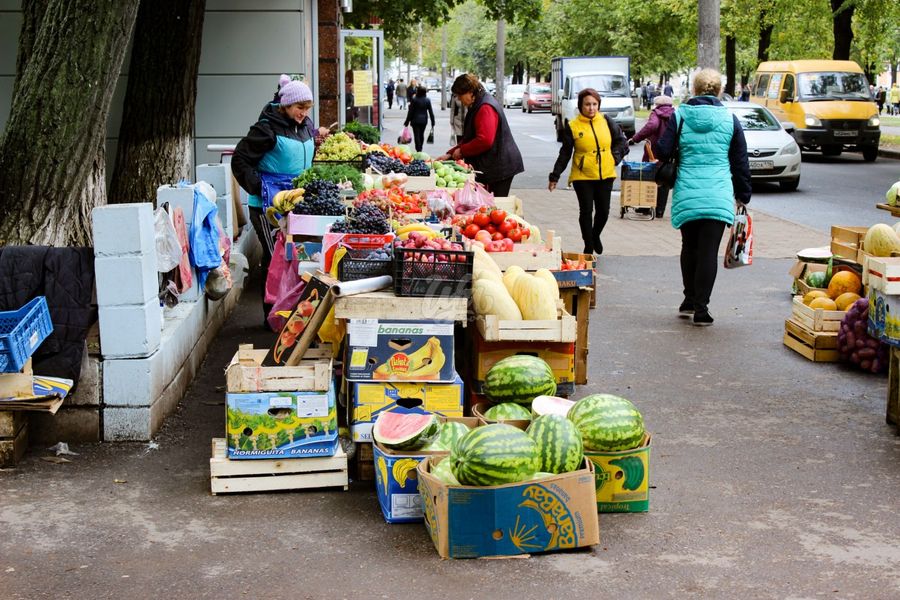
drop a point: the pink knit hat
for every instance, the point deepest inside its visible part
(291, 92)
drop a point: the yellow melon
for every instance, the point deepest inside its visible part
(823, 303)
(810, 296)
(843, 282)
(846, 300)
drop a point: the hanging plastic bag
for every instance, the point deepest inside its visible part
(405, 136)
(440, 203)
(168, 246)
(739, 251)
(471, 197)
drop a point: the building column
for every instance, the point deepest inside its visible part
(329, 62)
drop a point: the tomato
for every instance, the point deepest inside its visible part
(481, 219)
(498, 216)
(496, 236)
(471, 230)
(491, 229)
(526, 233)
(483, 209)
(515, 234)
(506, 226)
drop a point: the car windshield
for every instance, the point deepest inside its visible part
(755, 119)
(541, 89)
(833, 86)
(607, 85)
(515, 89)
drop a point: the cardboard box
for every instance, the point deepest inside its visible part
(396, 480)
(799, 271)
(559, 355)
(281, 424)
(846, 241)
(579, 278)
(884, 317)
(623, 478)
(638, 194)
(397, 350)
(545, 515)
(317, 225)
(369, 399)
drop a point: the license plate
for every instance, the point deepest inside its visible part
(759, 165)
(841, 133)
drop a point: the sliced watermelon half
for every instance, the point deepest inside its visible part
(551, 405)
(405, 431)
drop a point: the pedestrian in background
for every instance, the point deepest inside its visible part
(895, 100)
(389, 90)
(651, 132)
(713, 172)
(411, 89)
(745, 93)
(668, 91)
(417, 116)
(487, 142)
(457, 119)
(879, 98)
(595, 144)
(401, 94)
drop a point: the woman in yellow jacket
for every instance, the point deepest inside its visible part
(596, 145)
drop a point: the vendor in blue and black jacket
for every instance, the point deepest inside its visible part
(713, 173)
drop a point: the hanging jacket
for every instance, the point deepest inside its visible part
(503, 159)
(713, 169)
(275, 144)
(583, 140)
(656, 125)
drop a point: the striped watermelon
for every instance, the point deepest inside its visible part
(608, 423)
(494, 455)
(405, 431)
(449, 434)
(520, 378)
(443, 473)
(559, 444)
(506, 412)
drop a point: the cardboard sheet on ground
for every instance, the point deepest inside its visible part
(47, 395)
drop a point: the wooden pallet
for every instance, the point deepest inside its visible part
(817, 346)
(265, 475)
(893, 395)
(13, 437)
(816, 319)
(365, 462)
(578, 302)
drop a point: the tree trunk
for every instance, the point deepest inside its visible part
(842, 21)
(501, 60)
(730, 64)
(51, 153)
(708, 34)
(32, 13)
(156, 135)
(765, 36)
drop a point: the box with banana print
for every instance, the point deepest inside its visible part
(397, 482)
(397, 350)
(622, 479)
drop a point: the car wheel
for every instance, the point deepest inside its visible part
(789, 185)
(831, 150)
(870, 153)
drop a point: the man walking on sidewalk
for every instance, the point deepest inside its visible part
(401, 94)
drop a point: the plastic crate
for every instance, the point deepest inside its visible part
(355, 266)
(21, 332)
(415, 274)
(638, 171)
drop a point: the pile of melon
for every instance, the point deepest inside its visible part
(514, 295)
(844, 289)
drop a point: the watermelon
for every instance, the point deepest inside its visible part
(551, 405)
(520, 378)
(559, 444)
(507, 411)
(608, 423)
(443, 472)
(449, 434)
(405, 431)
(493, 455)
(542, 475)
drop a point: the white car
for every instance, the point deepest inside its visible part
(773, 153)
(512, 95)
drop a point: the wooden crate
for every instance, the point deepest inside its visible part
(245, 373)
(531, 257)
(846, 240)
(892, 415)
(385, 305)
(493, 329)
(817, 346)
(365, 462)
(265, 475)
(13, 437)
(511, 204)
(816, 319)
(578, 302)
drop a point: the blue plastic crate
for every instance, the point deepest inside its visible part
(638, 171)
(21, 332)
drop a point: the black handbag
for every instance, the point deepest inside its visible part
(667, 170)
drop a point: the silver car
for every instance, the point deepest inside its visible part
(512, 95)
(773, 153)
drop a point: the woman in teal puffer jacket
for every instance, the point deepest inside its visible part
(713, 173)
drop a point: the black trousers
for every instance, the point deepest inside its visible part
(497, 188)
(390, 99)
(593, 197)
(419, 135)
(262, 229)
(662, 198)
(700, 242)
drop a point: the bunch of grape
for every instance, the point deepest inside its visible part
(320, 197)
(417, 168)
(383, 163)
(379, 199)
(321, 138)
(339, 146)
(364, 218)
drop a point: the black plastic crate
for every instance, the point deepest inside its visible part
(426, 272)
(638, 171)
(355, 266)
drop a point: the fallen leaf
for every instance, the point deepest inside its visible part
(120, 481)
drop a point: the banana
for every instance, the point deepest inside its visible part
(434, 367)
(633, 467)
(414, 227)
(404, 469)
(382, 468)
(417, 360)
(271, 213)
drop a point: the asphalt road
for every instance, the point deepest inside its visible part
(840, 190)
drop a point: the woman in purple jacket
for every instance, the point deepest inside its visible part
(656, 125)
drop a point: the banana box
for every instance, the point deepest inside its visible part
(396, 350)
(884, 317)
(396, 479)
(542, 515)
(622, 478)
(281, 424)
(370, 399)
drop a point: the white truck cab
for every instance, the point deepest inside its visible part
(609, 75)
